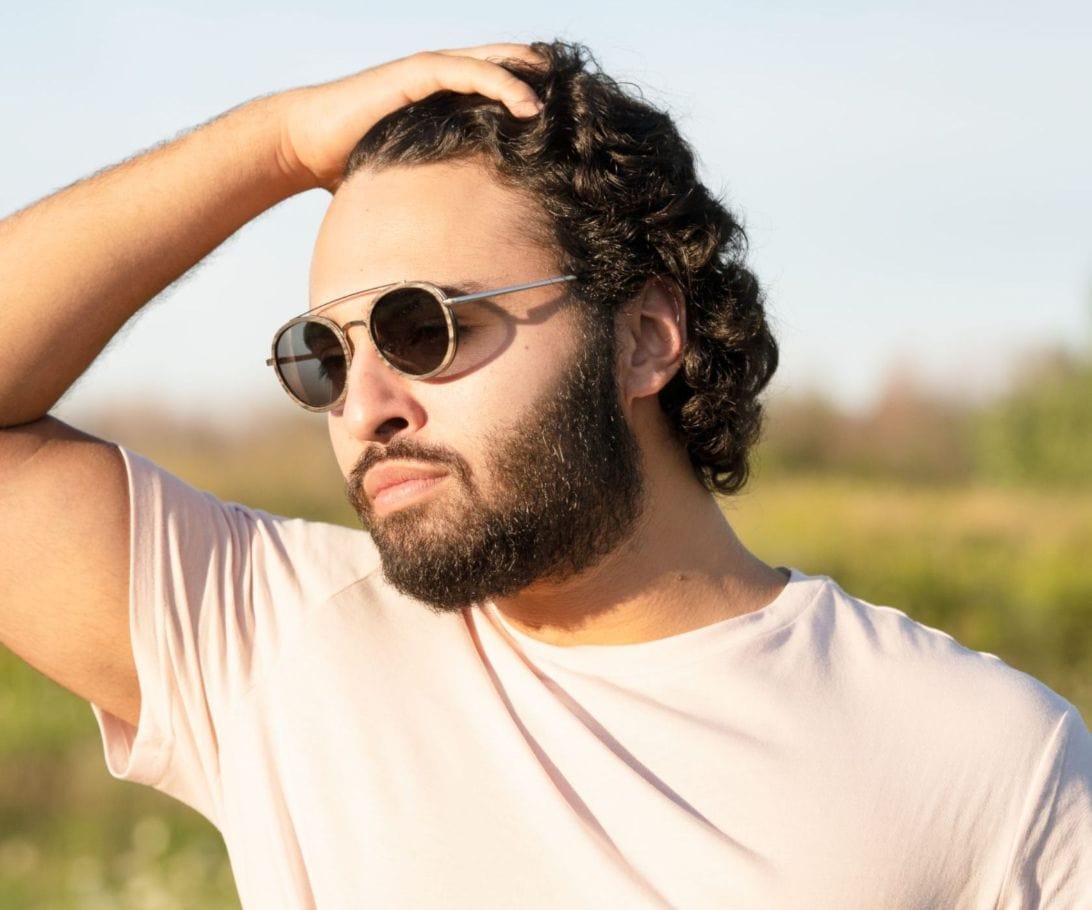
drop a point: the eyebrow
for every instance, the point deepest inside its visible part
(465, 290)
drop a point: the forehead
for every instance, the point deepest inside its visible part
(452, 223)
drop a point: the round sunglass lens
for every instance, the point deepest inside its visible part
(410, 329)
(311, 361)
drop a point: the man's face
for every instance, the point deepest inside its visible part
(517, 466)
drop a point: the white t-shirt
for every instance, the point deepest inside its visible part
(357, 750)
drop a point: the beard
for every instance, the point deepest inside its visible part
(567, 491)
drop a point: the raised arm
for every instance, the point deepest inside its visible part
(75, 266)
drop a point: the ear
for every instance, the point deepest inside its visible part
(651, 339)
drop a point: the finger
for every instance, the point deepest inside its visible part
(495, 52)
(467, 73)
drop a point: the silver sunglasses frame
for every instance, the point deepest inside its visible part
(341, 331)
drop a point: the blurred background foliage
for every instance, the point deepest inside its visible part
(972, 516)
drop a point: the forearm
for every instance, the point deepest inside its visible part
(75, 266)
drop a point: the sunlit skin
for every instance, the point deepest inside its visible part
(455, 224)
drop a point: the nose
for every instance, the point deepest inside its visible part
(379, 403)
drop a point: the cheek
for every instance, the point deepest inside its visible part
(534, 363)
(489, 401)
(347, 451)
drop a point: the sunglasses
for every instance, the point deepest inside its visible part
(411, 324)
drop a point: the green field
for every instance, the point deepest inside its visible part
(1005, 570)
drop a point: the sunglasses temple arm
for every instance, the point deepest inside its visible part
(481, 295)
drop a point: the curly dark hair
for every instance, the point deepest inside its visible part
(619, 186)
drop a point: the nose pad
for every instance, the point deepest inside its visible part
(379, 403)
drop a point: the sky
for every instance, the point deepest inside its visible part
(915, 178)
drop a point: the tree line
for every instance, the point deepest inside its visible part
(1037, 433)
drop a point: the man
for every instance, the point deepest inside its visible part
(552, 676)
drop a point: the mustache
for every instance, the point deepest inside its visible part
(401, 450)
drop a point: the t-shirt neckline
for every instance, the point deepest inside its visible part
(665, 653)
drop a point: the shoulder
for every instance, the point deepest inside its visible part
(180, 529)
(972, 762)
(906, 667)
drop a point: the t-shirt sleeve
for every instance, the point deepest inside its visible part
(1052, 860)
(214, 589)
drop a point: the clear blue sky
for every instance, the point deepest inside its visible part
(916, 180)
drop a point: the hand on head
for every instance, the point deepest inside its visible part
(322, 123)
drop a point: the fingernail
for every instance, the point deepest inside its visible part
(527, 108)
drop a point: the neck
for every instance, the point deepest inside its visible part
(682, 568)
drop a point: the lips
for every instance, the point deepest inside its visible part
(391, 482)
